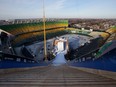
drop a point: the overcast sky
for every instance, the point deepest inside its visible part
(15, 9)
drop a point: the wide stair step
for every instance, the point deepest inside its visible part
(58, 76)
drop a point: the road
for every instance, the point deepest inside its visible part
(54, 76)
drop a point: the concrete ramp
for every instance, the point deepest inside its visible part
(59, 59)
(60, 49)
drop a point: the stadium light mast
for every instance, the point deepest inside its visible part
(44, 27)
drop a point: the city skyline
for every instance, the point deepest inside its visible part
(19, 9)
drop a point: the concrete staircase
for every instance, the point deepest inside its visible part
(54, 76)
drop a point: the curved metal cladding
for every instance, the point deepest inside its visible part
(27, 31)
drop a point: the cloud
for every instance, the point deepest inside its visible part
(59, 4)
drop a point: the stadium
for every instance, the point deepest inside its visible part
(22, 46)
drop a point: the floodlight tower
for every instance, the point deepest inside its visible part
(44, 27)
